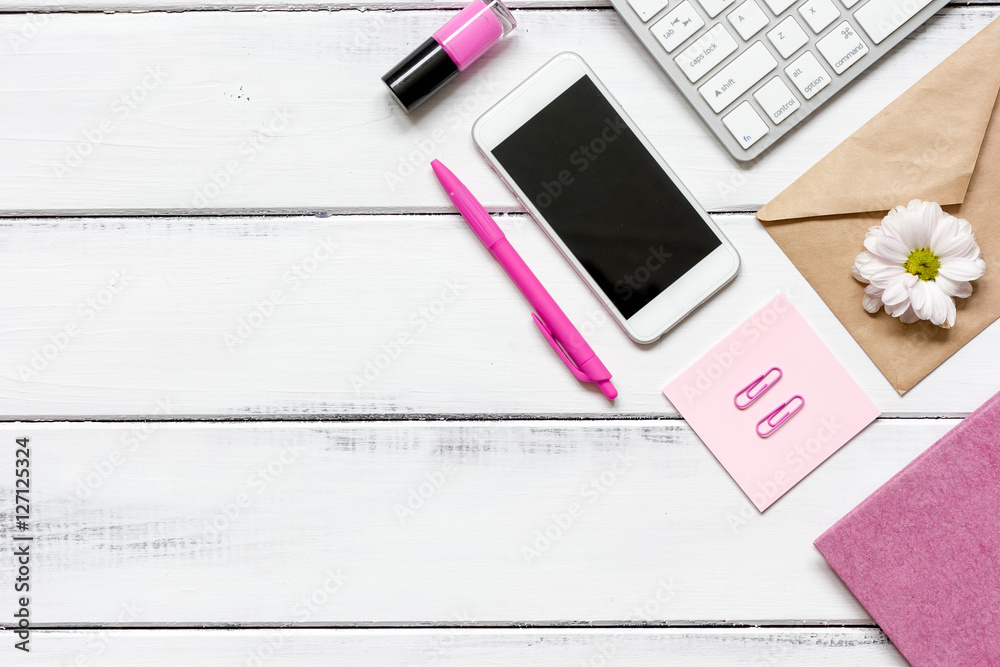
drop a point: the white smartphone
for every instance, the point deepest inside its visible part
(604, 196)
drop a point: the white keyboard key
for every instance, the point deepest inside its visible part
(819, 14)
(647, 9)
(776, 100)
(713, 7)
(748, 19)
(708, 51)
(738, 76)
(881, 18)
(842, 47)
(788, 37)
(679, 24)
(808, 75)
(778, 6)
(745, 125)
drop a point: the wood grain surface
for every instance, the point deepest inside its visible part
(362, 316)
(457, 647)
(284, 112)
(543, 522)
(45, 6)
(217, 232)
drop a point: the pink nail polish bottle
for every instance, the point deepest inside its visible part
(455, 46)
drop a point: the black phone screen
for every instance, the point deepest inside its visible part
(606, 197)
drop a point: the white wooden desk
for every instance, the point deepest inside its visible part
(216, 222)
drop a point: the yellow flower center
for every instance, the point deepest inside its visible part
(923, 264)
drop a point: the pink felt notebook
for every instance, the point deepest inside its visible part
(922, 553)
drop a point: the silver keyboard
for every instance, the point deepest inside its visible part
(754, 69)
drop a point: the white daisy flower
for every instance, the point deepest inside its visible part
(917, 262)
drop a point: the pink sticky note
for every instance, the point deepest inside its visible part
(834, 410)
(922, 553)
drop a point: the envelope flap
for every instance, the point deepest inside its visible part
(922, 146)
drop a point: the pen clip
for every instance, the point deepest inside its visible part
(577, 373)
(767, 379)
(780, 415)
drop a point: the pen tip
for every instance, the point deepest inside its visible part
(608, 389)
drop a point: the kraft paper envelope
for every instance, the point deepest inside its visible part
(939, 141)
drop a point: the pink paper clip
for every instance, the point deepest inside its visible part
(748, 393)
(780, 415)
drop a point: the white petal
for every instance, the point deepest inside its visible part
(897, 310)
(939, 302)
(894, 295)
(866, 257)
(857, 274)
(872, 300)
(868, 264)
(920, 299)
(949, 321)
(886, 274)
(946, 226)
(896, 292)
(916, 232)
(957, 288)
(908, 316)
(957, 246)
(888, 247)
(893, 221)
(958, 268)
(860, 262)
(953, 237)
(945, 237)
(874, 231)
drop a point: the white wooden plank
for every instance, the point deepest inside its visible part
(286, 5)
(426, 522)
(822, 647)
(48, 6)
(332, 140)
(196, 321)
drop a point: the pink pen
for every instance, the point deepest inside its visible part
(550, 319)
